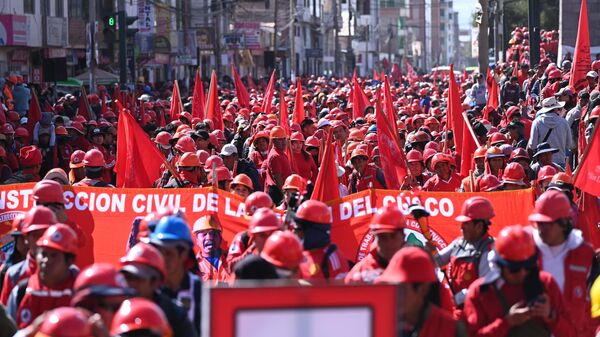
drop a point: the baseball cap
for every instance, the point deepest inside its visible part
(228, 150)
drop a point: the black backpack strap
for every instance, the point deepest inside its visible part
(548, 133)
(245, 238)
(325, 263)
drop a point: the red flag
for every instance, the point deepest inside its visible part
(375, 75)
(84, 106)
(268, 98)
(393, 161)
(284, 120)
(103, 108)
(454, 113)
(298, 115)
(213, 106)
(35, 113)
(464, 77)
(251, 84)
(137, 165)
(176, 106)
(198, 100)
(582, 58)
(469, 145)
(116, 97)
(326, 185)
(240, 89)
(587, 175)
(396, 72)
(389, 105)
(493, 91)
(515, 72)
(48, 107)
(588, 219)
(143, 120)
(160, 115)
(359, 99)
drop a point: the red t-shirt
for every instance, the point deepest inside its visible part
(277, 163)
(305, 166)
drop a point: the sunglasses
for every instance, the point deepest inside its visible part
(517, 269)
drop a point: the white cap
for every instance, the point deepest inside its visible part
(228, 150)
(592, 74)
(323, 122)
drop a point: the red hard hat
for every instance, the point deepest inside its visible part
(546, 173)
(60, 131)
(145, 254)
(409, 265)
(595, 113)
(21, 132)
(476, 208)
(77, 126)
(414, 156)
(554, 74)
(186, 115)
(60, 237)
(313, 211)
(421, 136)
(264, 220)
(519, 153)
(38, 218)
(77, 159)
(514, 174)
(480, 152)
(30, 156)
(244, 180)
(140, 314)
(213, 159)
(257, 200)
(387, 219)
(515, 243)
(551, 206)
(439, 158)
(7, 129)
(498, 138)
(259, 135)
(488, 183)
(99, 279)
(219, 134)
(596, 65)
(297, 136)
(163, 138)
(48, 191)
(13, 116)
(283, 250)
(277, 133)
(189, 159)
(222, 172)
(312, 141)
(94, 158)
(356, 136)
(65, 322)
(186, 144)
(2, 152)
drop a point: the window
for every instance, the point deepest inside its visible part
(29, 6)
(59, 9)
(79, 9)
(46, 8)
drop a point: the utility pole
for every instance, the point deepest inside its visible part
(275, 27)
(534, 32)
(483, 38)
(217, 13)
(292, 31)
(92, 46)
(336, 40)
(122, 44)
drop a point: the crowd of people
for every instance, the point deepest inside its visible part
(535, 280)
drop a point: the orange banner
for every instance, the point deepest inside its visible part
(107, 215)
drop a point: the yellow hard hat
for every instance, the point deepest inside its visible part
(595, 295)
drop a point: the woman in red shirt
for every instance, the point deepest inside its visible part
(303, 163)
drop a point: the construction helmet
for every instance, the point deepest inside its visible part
(65, 322)
(61, 131)
(359, 153)
(145, 254)
(439, 158)
(185, 144)
(171, 229)
(356, 136)
(295, 182)
(76, 159)
(94, 158)
(594, 294)
(213, 159)
(283, 250)
(519, 153)
(38, 218)
(414, 156)
(561, 177)
(312, 141)
(163, 139)
(488, 183)
(514, 174)
(259, 135)
(546, 173)
(99, 280)
(244, 180)
(409, 265)
(297, 137)
(552, 205)
(277, 132)
(189, 159)
(515, 244)
(480, 152)
(21, 132)
(222, 173)
(313, 212)
(48, 191)
(60, 237)
(476, 208)
(387, 219)
(264, 220)
(498, 138)
(140, 314)
(595, 113)
(207, 222)
(494, 152)
(257, 200)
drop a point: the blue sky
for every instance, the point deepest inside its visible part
(464, 8)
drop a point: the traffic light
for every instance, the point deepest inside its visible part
(109, 30)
